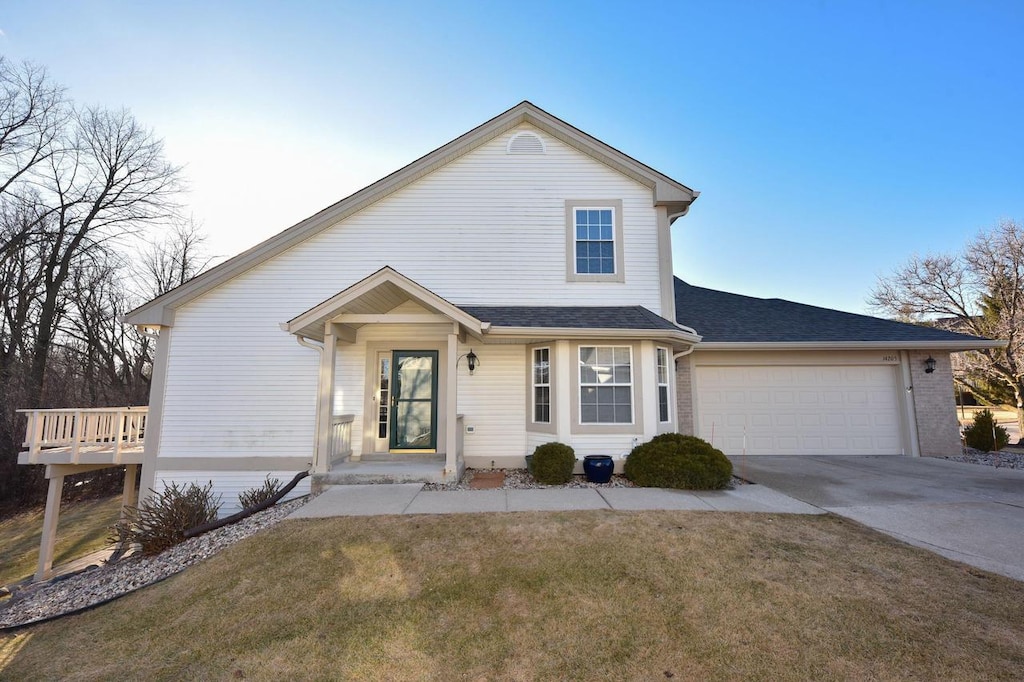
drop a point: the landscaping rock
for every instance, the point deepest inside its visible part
(37, 601)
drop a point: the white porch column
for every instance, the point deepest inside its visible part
(50, 519)
(451, 462)
(563, 396)
(648, 389)
(325, 401)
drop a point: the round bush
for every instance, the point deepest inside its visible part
(673, 460)
(553, 463)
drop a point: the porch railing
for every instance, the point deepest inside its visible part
(110, 429)
(341, 436)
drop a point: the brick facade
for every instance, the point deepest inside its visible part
(938, 431)
(684, 394)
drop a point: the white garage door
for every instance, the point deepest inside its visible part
(800, 410)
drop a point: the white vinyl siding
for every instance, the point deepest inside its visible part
(493, 401)
(228, 485)
(238, 386)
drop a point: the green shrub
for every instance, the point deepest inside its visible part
(984, 434)
(673, 460)
(253, 496)
(553, 463)
(161, 520)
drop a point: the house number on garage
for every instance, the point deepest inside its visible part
(889, 358)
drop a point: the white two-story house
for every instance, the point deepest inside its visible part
(511, 288)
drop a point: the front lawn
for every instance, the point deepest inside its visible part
(575, 595)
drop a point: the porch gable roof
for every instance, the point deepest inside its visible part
(371, 299)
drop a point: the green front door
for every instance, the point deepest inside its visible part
(414, 400)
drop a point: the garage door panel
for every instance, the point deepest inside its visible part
(800, 410)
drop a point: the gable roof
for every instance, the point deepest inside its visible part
(371, 299)
(733, 321)
(377, 294)
(675, 196)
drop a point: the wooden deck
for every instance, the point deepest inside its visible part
(107, 435)
(73, 441)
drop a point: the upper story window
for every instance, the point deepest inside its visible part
(594, 245)
(595, 241)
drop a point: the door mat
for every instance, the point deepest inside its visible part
(487, 480)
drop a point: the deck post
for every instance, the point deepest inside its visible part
(118, 432)
(76, 435)
(50, 519)
(130, 492)
(451, 453)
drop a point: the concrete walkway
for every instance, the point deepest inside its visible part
(410, 498)
(966, 512)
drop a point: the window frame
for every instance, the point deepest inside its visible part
(659, 352)
(618, 248)
(534, 385)
(580, 385)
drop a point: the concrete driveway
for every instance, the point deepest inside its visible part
(970, 513)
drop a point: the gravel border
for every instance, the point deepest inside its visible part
(520, 479)
(67, 594)
(1006, 459)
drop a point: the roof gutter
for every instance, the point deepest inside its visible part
(951, 346)
(594, 332)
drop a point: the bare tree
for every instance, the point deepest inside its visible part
(77, 188)
(33, 112)
(979, 291)
(173, 260)
(108, 181)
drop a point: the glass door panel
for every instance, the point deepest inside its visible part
(413, 400)
(383, 403)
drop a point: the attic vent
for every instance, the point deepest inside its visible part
(525, 143)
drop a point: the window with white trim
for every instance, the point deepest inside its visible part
(542, 385)
(662, 372)
(606, 385)
(595, 241)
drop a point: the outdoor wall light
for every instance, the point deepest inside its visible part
(471, 360)
(929, 365)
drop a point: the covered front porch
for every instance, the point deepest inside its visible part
(390, 355)
(76, 441)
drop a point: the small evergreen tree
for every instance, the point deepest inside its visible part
(984, 434)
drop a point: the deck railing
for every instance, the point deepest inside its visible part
(341, 436)
(110, 429)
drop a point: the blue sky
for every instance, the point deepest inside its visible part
(829, 140)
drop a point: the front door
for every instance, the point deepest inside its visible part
(413, 400)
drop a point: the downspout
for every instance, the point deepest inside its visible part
(306, 343)
(680, 354)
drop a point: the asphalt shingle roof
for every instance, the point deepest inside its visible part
(719, 316)
(575, 317)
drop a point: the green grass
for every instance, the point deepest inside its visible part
(575, 595)
(82, 529)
